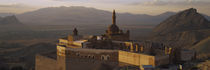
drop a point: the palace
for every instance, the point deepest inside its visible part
(113, 50)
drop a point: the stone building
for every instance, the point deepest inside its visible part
(114, 49)
(82, 54)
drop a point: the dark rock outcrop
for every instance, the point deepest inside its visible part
(8, 20)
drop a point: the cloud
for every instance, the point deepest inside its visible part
(16, 8)
(173, 2)
(9, 5)
(161, 6)
(99, 1)
(16, 5)
(71, 0)
(155, 2)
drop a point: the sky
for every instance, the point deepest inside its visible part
(151, 7)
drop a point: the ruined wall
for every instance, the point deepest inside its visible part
(45, 63)
(136, 59)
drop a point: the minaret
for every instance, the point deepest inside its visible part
(75, 32)
(114, 17)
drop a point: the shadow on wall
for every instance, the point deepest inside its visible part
(12, 68)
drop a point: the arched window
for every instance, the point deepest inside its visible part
(102, 57)
(86, 56)
(89, 56)
(107, 57)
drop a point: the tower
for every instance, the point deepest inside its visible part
(114, 17)
(113, 32)
(75, 32)
(113, 29)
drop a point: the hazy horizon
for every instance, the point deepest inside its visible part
(150, 7)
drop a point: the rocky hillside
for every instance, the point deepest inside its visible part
(203, 46)
(9, 20)
(12, 54)
(184, 29)
(189, 19)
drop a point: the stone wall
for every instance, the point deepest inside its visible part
(93, 54)
(86, 59)
(61, 63)
(136, 59)
(61, 50)
(81, 58)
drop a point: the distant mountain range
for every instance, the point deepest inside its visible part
(184, 29)
(77, 15)
(9, 20)
(6, 14)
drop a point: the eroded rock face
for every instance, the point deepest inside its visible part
(9, 20)
(183, 29)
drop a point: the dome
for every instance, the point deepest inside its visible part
(114, 28)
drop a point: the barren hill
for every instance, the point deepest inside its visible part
(189, 19)
(203, 46)
(184, 29)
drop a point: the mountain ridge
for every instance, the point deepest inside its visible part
(188, 19)
(79, 15)
(84, 15)
(184, 29)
